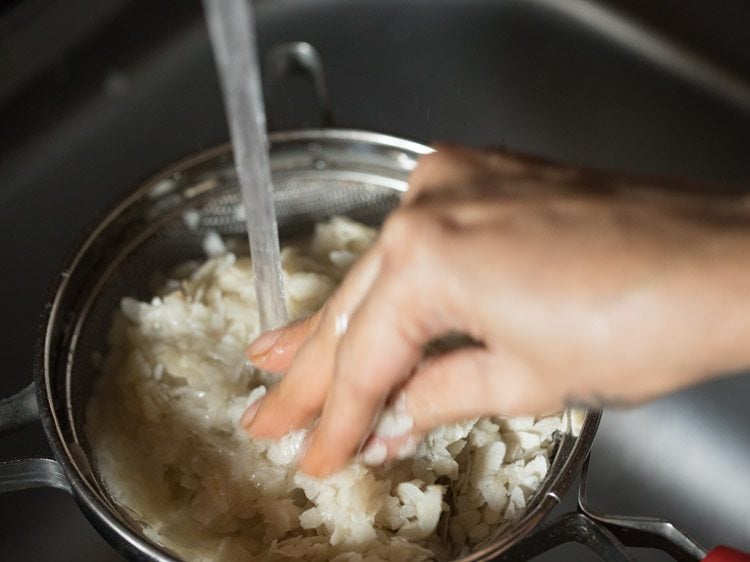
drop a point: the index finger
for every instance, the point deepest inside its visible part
(371, 361)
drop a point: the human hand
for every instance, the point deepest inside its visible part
(580, 286)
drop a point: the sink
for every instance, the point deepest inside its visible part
(578, 81)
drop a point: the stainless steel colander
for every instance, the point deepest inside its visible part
(317, 173)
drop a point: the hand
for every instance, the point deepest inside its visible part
(580, 287)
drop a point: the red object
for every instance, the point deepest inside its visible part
(726, 554)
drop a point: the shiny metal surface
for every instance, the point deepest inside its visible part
(639, 531)
(316, 174)
(28, 474)
(536, 80)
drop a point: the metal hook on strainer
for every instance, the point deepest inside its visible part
(608, 536)
(299, 57)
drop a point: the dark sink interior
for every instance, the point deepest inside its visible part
(130, 88)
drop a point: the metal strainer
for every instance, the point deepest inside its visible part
(317, 173)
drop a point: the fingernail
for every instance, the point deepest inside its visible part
(315, 464)
(374, 453)
(395, 420)
(341, 323)
(304, 461)
(263, 344)
(302, 451)
(399, 404)
(249, 415)
(408, 448)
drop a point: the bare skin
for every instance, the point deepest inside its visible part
(580, 286)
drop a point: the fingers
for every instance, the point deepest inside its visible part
(393, 436)
(443, 172)
(460, 173)
(274, 350)
(298, 398)
(385, 338)
(474, 382)
(454, 387)
(375, 355)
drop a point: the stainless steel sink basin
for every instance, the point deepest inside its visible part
(581, 83)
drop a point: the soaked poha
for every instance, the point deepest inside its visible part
(163, 425)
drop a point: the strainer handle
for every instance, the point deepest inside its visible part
(19, 410)
(16, 412)
(299, 57)
(25, 474)
(643, 532)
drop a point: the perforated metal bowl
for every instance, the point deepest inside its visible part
(317, 173)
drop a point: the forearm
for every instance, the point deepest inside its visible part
(685, 314)
(719, 287)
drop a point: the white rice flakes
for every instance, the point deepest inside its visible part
(164, 428)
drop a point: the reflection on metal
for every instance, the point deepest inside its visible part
(16, 412)
(646, 532)
(571, 527)
(287, 58)
(606, 535)
(656, 47)
(24, 474)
